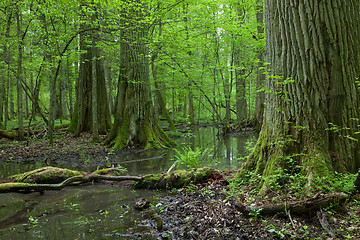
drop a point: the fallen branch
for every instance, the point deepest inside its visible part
(172, 167)
(303, 206)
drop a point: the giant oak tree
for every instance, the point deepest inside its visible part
(312, 100)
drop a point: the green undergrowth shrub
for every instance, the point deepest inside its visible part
(189, 158)
(282, 184)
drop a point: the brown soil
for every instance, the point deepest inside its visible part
(37, 148)
(208, 212)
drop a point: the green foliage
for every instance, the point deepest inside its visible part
(189, 158)
(255, 212)
(296, 183)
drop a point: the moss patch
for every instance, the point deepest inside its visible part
(46, 175)
(8, 187)
(177, 179)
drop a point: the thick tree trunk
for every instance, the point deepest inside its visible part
(260, 78)
(135, 124)
(312, 99)
(83, 117)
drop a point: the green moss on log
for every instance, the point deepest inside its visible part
(10, 134)
(12, 187)
(109, 171)
(177, 179)
(46, 175)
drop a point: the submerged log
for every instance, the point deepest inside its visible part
(303, 206)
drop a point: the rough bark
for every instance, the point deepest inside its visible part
(83, 117)
(260, 78)
(135, 124)
(313, 51)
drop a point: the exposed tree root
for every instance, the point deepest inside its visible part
(304, 206)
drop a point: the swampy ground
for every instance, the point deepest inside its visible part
(203, 211)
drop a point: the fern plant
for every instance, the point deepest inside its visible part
(189, 158)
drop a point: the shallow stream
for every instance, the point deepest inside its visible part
(102, 211)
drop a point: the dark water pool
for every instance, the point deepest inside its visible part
(103, 211)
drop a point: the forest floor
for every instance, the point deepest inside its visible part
(207, 212)
(204, 211)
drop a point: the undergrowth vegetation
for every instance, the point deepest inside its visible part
(189, 158)
(283, 185)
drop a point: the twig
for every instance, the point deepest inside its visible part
(172, 167)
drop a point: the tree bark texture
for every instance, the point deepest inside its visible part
(260, 78)
(135, 124)
(83, 116)
(312, 97)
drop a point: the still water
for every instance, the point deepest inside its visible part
(102, 211)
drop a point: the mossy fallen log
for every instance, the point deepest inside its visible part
(52, 178)
(302, 206)
(8, 134)
(46, 175)
(176, 179)
(31, 187)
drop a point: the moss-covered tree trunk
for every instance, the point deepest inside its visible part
(135, 124)
(313, 51)
(82, 119)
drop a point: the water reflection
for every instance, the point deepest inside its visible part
(90, 212)
(226, 153)
(102, 211)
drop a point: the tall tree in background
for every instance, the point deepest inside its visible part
(83, 116)
(19, 73)
(135, 123)
(312, 99)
